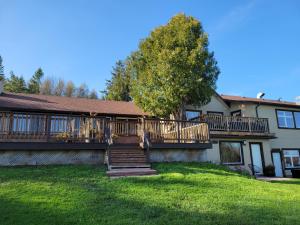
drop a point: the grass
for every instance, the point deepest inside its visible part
(183, 193)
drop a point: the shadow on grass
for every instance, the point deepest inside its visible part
(293, 181)
(114, 202)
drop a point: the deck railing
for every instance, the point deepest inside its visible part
(49, 127)
(15, 126)
(237, 124)
(175, 131)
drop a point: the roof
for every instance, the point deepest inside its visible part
(36, 102)
(231, 98)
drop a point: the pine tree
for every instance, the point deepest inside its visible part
(15, 84)
(2, 77)
(35, 82)
(118, 88)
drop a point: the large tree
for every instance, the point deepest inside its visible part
(173, 67)
(117, 88)
(15, 84)
(35, 82)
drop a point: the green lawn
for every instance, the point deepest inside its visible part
(186, 193)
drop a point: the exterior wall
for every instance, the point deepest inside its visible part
(53, 157)
(178, 155)
(213, 154)
(216, 104)
(285, 138)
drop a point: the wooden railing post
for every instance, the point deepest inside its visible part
(178, 131)
(249, 124)
(227, 124)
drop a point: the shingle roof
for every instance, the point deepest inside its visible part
(231, 98)
(36, 102)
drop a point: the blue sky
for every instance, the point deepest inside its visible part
(256, 43)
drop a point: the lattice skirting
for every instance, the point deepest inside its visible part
(29, 157)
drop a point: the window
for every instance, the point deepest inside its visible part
(297, 119)
(285, 119)
(58, 124)
(236, 113)
(214, 113)
(192, 115)
(291, 158)
(28, 123)
(231, 152)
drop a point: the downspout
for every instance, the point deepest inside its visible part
(256, 109)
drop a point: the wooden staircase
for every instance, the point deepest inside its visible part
(128, 160)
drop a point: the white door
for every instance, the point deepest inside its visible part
(277, 164)
(256, 158)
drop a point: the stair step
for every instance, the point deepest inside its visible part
(128, 165)
(125, 146)
(128, 157)
(130, 172)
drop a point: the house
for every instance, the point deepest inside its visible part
(243, 133)
(252, 133)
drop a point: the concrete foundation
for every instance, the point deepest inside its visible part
(35, 157)
(178, 155)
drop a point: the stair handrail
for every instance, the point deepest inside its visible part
(108, 142)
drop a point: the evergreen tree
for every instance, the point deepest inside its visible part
(173, 67)
(118, 88)
(35, 82)
(2, 77)
(15, 84)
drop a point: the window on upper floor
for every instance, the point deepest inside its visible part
(236, 113)
(291, 158)
(297, 119)
(192, 115)
(288, 119)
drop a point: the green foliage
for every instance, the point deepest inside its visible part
(118, 88)
(173, 67)
(15, 84)
(35, 82)
(182, 193)
(2, 77)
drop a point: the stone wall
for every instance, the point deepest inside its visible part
(53, 157)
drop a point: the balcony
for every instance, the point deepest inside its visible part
(234, 126)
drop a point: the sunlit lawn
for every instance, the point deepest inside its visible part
(182, 194)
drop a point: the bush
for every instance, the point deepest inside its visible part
(269, 171)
